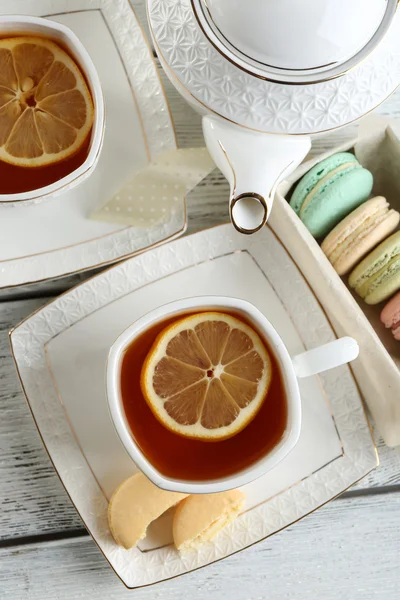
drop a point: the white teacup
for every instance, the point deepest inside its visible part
(25, 25)
(308, 363)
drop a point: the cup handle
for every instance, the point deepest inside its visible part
(323, 358)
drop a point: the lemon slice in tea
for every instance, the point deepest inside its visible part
(206, 376)
(46, 110)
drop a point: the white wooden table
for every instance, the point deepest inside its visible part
(349, 549)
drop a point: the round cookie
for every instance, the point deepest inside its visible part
(134, 505)
(201, 516)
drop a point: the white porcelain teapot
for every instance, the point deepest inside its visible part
(266, 74)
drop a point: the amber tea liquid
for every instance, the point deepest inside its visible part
(183, 458)
(15, 180)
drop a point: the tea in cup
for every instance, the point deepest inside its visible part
(204, 395)
(51, 109)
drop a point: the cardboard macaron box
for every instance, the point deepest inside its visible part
(338, 216)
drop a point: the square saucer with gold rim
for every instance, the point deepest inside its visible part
(58, 237)
(61, 353)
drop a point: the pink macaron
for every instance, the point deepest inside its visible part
(390, 316)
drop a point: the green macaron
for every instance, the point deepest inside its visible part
(377, 277)
(330, 191)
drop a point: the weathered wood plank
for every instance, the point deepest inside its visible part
(32, 498)
(139, 6)
(349, 549)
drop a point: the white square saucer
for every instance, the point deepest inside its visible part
(61, 352)
(57, 237)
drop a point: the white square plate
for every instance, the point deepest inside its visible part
(61, 352)
(56, 237)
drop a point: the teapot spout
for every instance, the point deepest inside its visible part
(254, 163)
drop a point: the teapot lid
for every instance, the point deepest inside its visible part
(211, 78)
(294, 41)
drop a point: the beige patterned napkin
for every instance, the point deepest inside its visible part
(155, 193)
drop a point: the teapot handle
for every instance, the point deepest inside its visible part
(254, 163)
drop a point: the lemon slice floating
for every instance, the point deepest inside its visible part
(46, 110)
(206, 376)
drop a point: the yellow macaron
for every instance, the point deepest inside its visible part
(359, 233)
